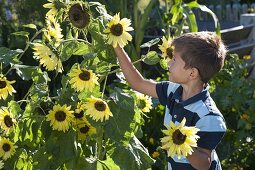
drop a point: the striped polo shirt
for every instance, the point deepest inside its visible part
(200, 111)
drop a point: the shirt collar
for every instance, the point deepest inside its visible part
(203, 95)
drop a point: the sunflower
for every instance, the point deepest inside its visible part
(144, 102)
(1, 164)
(7, 148)
(60, 117)
(179, 139)
(53, 29)
(97, 109)
(117, 31)
(84, 129)
(5, 87)
(54, 6)
(79, 15)
(7, 122)
(47, 58)
(166, 48)
(82, 79)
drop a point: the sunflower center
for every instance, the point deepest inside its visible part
(78, 16)
(84, 129)
(100, 106)
(117, 29)
(169, 52)
(178, 137)
(60, 116)
(85, 75)
(8, 121)
(141, 104)
(2, 84)
(6, 147)
(78, 115)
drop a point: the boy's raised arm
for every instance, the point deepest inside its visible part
(132, 75)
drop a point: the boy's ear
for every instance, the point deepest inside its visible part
(194, 73)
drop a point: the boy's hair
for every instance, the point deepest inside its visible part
(202, 50)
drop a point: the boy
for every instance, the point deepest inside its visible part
(196, 58)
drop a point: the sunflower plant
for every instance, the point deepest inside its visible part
(60, 108)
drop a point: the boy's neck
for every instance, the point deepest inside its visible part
(192, 89)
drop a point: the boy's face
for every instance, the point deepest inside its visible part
(178, 74)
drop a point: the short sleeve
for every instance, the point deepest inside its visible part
(164, 89)
(161, 89)
(212, 129)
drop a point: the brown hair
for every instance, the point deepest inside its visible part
(202, 50)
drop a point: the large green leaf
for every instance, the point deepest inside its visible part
(82, 163)
(14, 108)
(122, 108)
(24, 71)
(192, 20)
(8, 56)
(133, 156)
(69, 48)
(66, 142)
(107, 164)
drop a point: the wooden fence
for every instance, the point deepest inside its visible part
(226, 12)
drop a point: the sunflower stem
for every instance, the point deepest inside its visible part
(100, 143)
(105, 80)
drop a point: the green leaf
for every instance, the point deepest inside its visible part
(84, 95)
(32, 26)
(21, 33)
(107, 164)
(176, 10)
(82, 163)
(133, 156)
(122, 108)
(40, 77)
(150, 43)
(74, 48)
(151, 58)
(66, 142)
(102, 68)
(82, 49)
(46, 129)
(68, 49)
(24, 71)
(8, 56)
(192, 20)
(14, 108)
